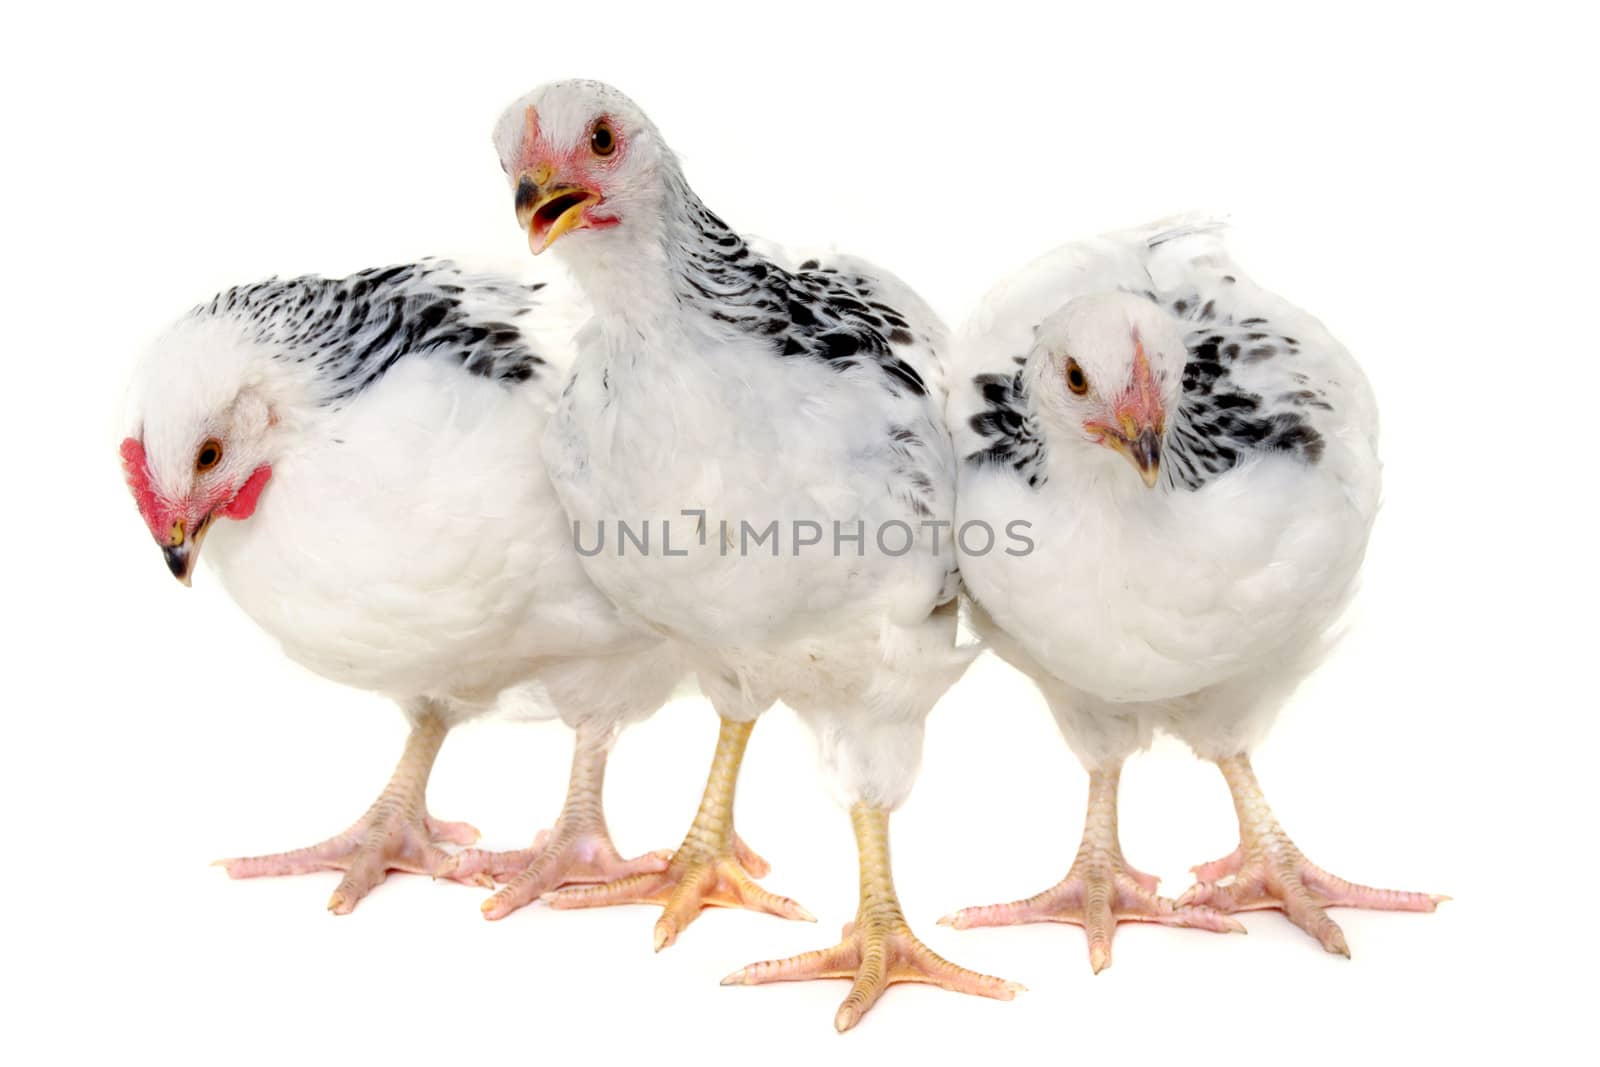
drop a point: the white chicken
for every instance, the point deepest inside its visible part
(778, 428)
(360, 457)
(1196, 461)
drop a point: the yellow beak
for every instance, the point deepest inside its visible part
(549, 212)
(182, 550)
(1143, 451)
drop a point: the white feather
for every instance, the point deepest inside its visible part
(409, 542)
(1194, 611)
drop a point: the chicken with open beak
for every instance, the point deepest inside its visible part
(756, 386)
(563, 188)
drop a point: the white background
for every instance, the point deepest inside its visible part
(1422, 179)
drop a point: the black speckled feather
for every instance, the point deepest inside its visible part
(1008, 426)
(816, 312)
(1219, 423)
(354, 329)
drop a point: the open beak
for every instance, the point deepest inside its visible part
(183, 549)
(547, 212)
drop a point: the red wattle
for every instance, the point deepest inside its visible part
(244, 502)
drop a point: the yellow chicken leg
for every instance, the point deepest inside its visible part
(878, 949)
(712, 868)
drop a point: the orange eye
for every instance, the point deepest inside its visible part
(1076, 381)
(602, 142)
(209, 456)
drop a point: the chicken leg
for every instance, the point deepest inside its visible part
(395, 834)
(1100, 889)
(712, 868)
(576, 850)
(1270, 872)
(878, 949)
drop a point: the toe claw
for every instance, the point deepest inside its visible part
(574, 855)
(381, 841)
(875, 954)
(1276, 874)
(1098, 894)
(684, 884)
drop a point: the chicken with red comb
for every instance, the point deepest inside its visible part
(1200, 457)
(777, 421)
(359, 459)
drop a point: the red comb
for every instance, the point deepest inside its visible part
(137, 473)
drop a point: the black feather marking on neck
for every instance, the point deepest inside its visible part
(1220, 423)
(353, 330)
(1007, 423)
(816, 312)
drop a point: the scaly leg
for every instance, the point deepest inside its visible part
(1100, 889)
(396, 834)
(711, 868)
(577, 850)
(878, 949)
(1270, 872)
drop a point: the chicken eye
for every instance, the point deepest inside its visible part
(209, 456)
(602, 142)
(1076, 381)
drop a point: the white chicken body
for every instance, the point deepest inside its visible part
(1191, 608)
(414, 547)
(364, 455)
(717, 425)
(408, 540)
(801, 398)
(798, 402)
(698, 430)
(1196, 460)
